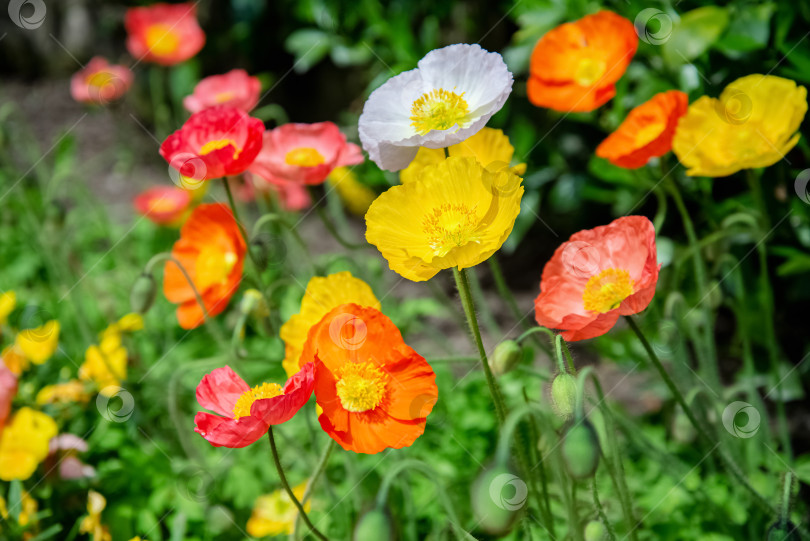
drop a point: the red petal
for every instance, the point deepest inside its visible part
(222, 432)
(219, 390)
(282, 408)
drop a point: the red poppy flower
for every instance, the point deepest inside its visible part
(598, 275)
(164, 205)
(216, 142)
(304, 153)
(100, 82)
(375, 391)
(575, 66)
(235, 88)
(646, 132)
(165, 34)
(212, 252)
(247, 413)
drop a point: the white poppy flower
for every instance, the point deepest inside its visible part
(449, 97)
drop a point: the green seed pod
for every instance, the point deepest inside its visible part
(253, 303)
(497, 497)
(595, 531)
(374, 526)
(580, 449)
(564, 394)
(783, 531)
(143, 293)
(506, 356)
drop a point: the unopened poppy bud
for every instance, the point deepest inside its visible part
(580, 449)
(374, 526)
(564, 394)
(253, 303)
(595, 531)
(506, 356)
(259, 253)
(143, 293)
(498, 495)
(783, 531)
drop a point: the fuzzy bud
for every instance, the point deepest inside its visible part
(506, 356)
(143, 293)
(497, 498)
(564, 395)
(374, 526)
(253, 304)
(595, 531)
(580, 449)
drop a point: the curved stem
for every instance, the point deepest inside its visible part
(313, 480)
(601, 512)
(283, 478)
(535, 330)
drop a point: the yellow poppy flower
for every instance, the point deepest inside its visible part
(130, 323)
(63, 393)
(488, 146)
(8, 300)
(321, 296)
(457, 215)
(14, 360)
(24, 444)
(40, 343)
(752, 124)
(356, 196)
(275, 514)
(104, 365)
(91, 523)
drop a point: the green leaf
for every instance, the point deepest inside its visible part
(47, 533)
(309, 46)
(749, 30)
(694, 34)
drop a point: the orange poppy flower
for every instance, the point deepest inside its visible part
(375, 391)
(165, 34)
(575, 66)
(647, 131)
(212, 252)
(598, 275)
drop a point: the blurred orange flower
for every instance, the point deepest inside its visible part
(100, 82)
(575, 66)
(165, 34)
(647, 131)
(164, 205)
(375, 391)
(212, 251)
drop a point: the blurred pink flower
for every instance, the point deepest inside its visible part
(292, 196)
(100, 82)
(62, 453)
(8, 390)
(304, 153)
(235, 88)
(165, 34)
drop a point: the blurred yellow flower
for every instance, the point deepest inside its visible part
(63, 393)
(27, 512)
(8, 300)
(457, 215)
(275, 514)
(321, 296)
(39, 344)
(356, 196)
(14, 360)
(752, 124)
(130, 323)
(24, 443)
(105, 365)
(91, 524)
(489, 146)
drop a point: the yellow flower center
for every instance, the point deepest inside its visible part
(99, 79)
(361, 386)
(162, 204)
(449, 226)
(648, 133)
(589, 70)
(222, 97)
(438, 110)
(217, 144)
(213, 266)
(304, 157)
(606, 290)
(161, 39)
(244, 402)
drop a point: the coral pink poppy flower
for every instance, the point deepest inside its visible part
(598, 275)
(245, 414)
(8, 390)
(165, 34)
(304, 153)
(235, 88)
(293, 197)
(164, 205)
(216, 142)
(100, 82)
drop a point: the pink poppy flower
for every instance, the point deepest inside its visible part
(100, 82)
(62, 452)
(304, 153)
(216, 142)
(235, 88)
(164, 205)
(8, 390)
(165, 34)
(598, 275)
(246, 414)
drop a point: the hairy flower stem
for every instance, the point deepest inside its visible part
(289, 490)
(313, 480)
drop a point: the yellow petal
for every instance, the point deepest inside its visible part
(8, 300)
(39, 344)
